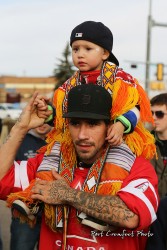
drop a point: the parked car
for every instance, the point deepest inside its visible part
(9, 110)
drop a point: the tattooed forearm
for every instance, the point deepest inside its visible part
(20, 117)
(9, 137)
(110, 209)
(59, 192)
(28, 119)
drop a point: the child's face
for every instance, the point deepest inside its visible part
(88, 56)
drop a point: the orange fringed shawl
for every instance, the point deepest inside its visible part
(126, 94)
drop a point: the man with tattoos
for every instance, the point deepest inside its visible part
(95, 186)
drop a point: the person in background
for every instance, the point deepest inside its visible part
(159, 112)
(159, 227)
(106, 183)
(34, 140)
(22, 235)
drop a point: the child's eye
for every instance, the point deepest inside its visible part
(75, 49)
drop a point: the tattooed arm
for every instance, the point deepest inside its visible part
(110, 209)
(28, 119)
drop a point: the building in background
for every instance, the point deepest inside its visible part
(15, 89)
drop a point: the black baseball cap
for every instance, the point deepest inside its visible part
(95, 32)
(89, 101)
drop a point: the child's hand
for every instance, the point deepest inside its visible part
(115, 134)
(42, 102)
(42, 107)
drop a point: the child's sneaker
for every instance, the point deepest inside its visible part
(30, 211)
(95, 223)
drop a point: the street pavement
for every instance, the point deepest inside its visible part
(5, 220)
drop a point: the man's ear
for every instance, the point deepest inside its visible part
(105, 54)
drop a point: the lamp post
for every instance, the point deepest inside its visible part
(151, 23)
(147, 76)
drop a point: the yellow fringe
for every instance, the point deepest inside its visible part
(124, 98)
(55, 135)
(25, 196)
(50, 216)
(67, 149)
(141, 142)
(144, 103)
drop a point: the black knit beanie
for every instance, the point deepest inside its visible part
(95, 32)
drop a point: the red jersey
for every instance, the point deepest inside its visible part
(138, 191)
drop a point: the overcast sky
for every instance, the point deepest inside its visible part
(34, 33)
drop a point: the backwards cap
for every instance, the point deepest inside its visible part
(95, 32)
